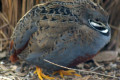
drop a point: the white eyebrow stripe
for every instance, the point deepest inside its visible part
(105, 31)
(95, 24)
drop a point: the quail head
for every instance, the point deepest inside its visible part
(65, 32)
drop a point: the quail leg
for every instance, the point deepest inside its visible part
(67, 73)
(41, 75)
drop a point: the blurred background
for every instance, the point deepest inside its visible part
(12, 10)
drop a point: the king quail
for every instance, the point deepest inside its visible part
(65, 32)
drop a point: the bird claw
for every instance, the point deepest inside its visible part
(41, 75)
(67, 73)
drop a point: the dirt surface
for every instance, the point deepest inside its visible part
(105, 70)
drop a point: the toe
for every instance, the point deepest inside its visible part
(41, 75)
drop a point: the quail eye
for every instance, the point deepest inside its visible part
(98, 26)
(97, 19)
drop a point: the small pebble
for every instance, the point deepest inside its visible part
(106, 56)
(2, 62)
(3, 54)
(80, 66)
(14, 67)
(113, 66)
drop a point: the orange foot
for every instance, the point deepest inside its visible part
(41, 75)
(67, 73)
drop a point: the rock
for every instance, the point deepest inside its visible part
(3, 54)
(80, 65)
(106, 56)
